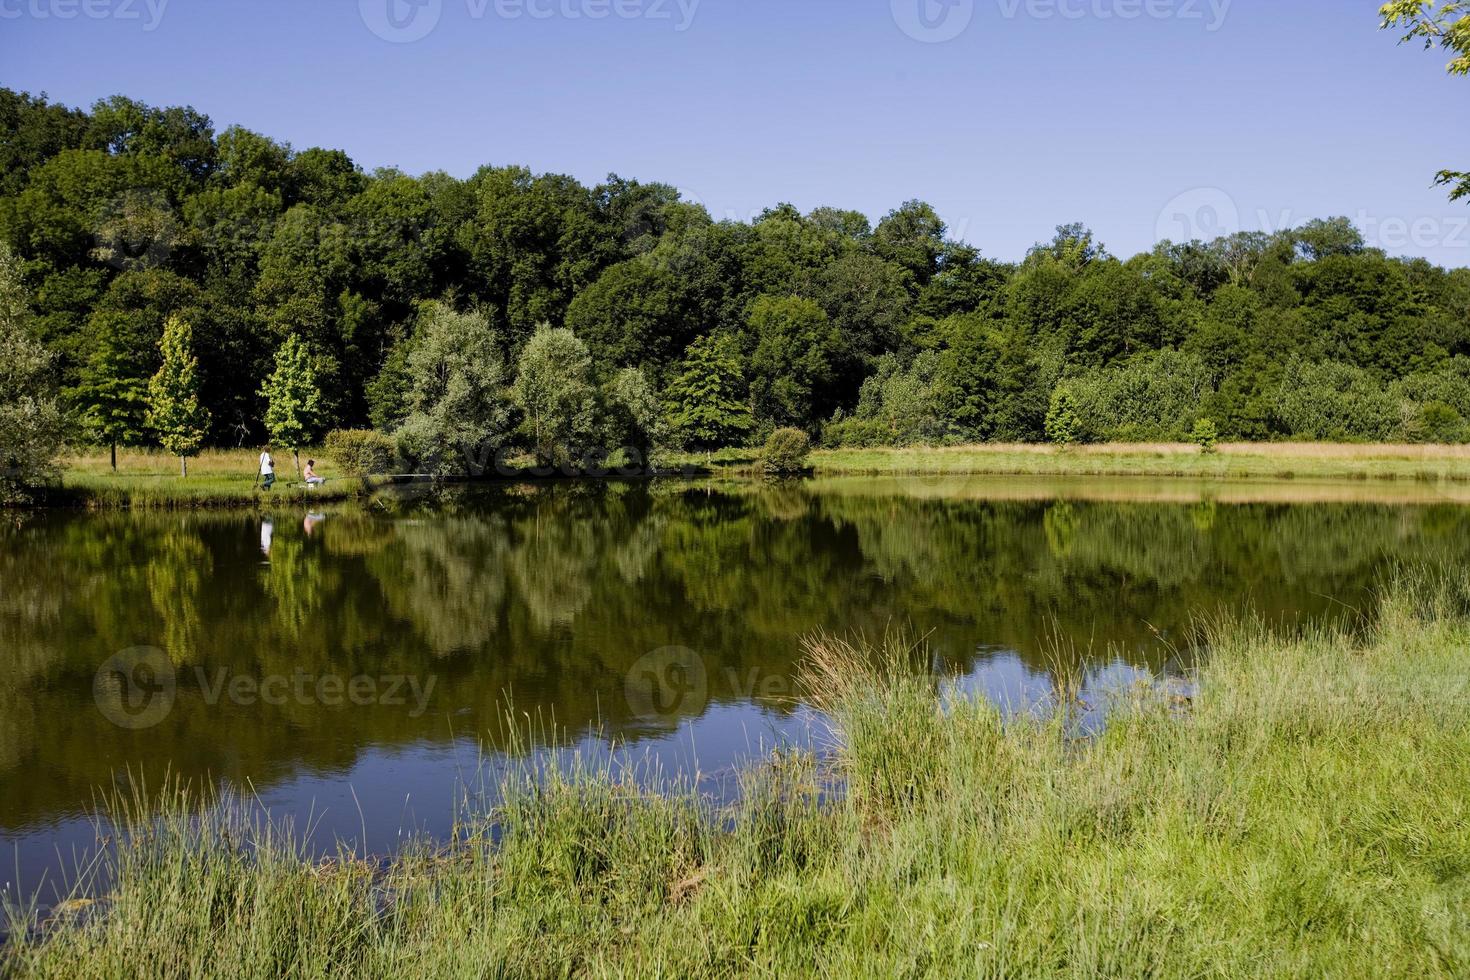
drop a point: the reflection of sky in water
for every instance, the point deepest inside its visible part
(1003, 678)
(391, 794)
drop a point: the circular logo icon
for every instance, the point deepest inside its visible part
(933, 21)
(401, 21)
(667, 684)
(136, 230)
(135, 689)
(687, 196)
(1202, 214)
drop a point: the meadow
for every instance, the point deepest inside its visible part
(1302, 809)
(146, 479)
(1245, 460)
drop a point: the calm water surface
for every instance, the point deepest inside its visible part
(357, 667)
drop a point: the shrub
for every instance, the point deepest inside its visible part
(1449, 384)
(851, 433)
(1335, 402)
(1061, 420)
(1434, 405)
(1437, 422)
(1152, 397)
(359, 452)
(786, 452)
(905, 402)
(1205, 436)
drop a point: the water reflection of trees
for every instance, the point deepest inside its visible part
(547, 599)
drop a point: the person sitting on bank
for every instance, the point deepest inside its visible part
(309, 474)
(267, 470)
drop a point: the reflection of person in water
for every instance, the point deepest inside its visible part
(312, 520)
(266, 530)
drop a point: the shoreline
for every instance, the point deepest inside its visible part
(144, 481)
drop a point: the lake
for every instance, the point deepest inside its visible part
(363, 668)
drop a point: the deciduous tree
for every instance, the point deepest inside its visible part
(459, 409)
(174, 411)
(30, 418)
(112, 397)
(709, 401)
(1446, 26)
(293, 400)
(554, 386)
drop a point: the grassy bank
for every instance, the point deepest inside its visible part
(217, 478)
(1321, 461)
(221, 478)
(226, 478)
(1307, 814)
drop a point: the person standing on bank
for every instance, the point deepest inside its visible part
(267, 470)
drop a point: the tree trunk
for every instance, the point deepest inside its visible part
(114, 457)
(183, 465)
(296, 455)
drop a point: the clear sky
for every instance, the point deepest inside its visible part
(1138, 117)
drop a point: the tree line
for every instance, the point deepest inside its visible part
(400, 300)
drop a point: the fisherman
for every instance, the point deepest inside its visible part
(267, 469)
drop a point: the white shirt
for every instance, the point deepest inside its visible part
(267, 465)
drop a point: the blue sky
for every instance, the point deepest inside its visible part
(1138, 117)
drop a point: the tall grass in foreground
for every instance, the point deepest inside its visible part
(1307, 815)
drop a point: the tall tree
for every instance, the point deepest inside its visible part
(113, 394)
(292, 398)
(458, 409)
(634, 419)
(794, 364)
(554, 387)
(30, 418)
(913, 237)
(709, 403)
(1447, 27)
(35, 130)
(127, 214)
(632, 316)
(174, 409)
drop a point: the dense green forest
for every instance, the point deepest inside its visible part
(407, 302)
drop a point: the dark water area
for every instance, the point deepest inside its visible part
(359, 669)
